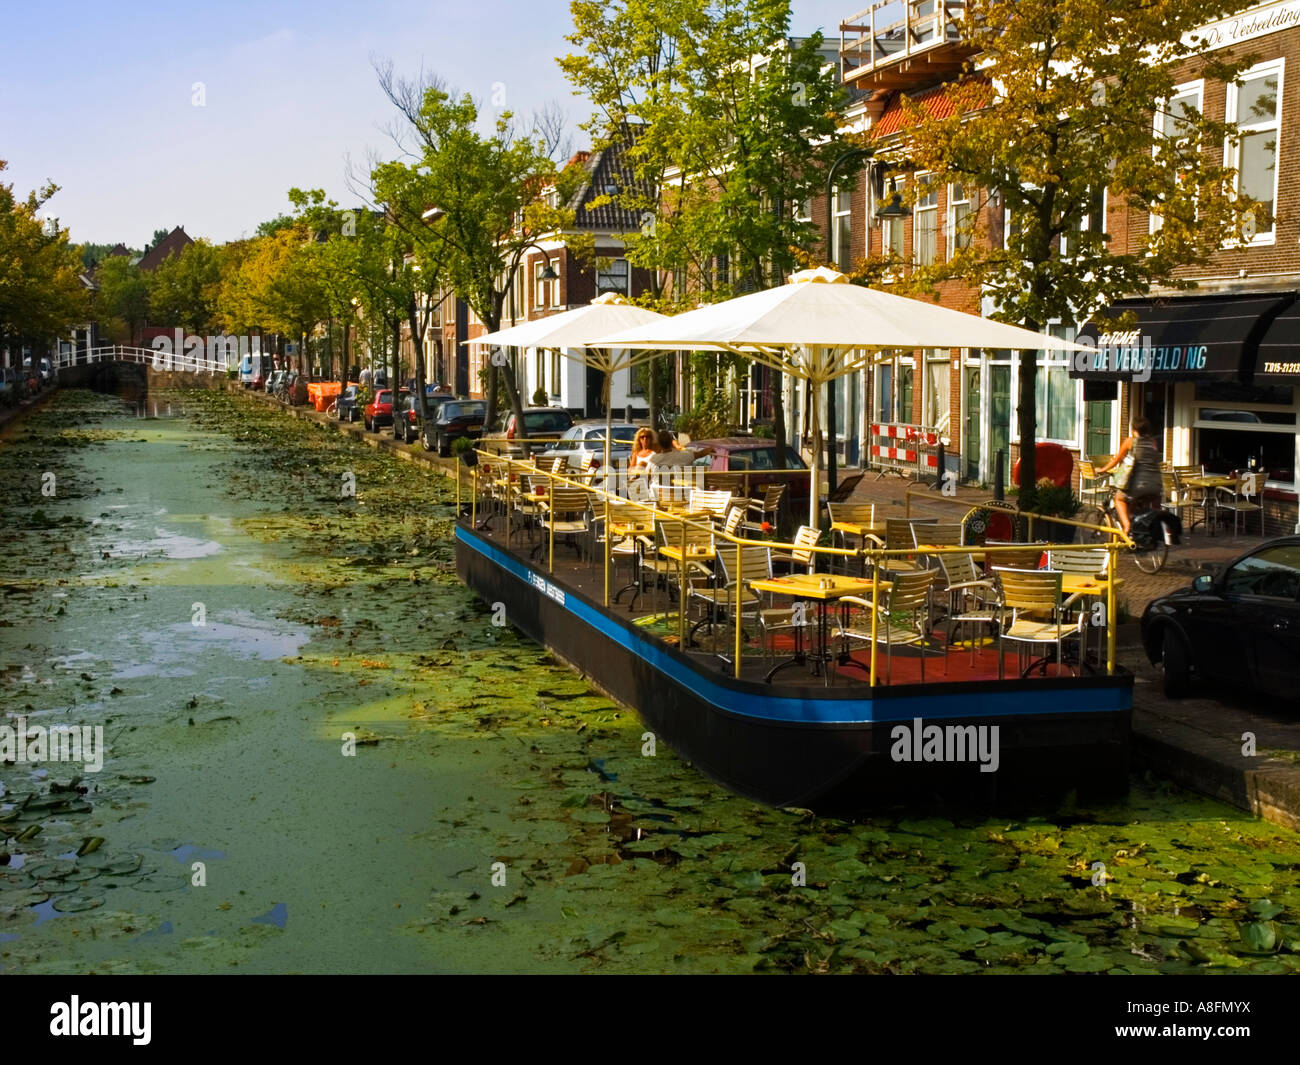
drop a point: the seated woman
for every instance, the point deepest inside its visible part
(643, 446)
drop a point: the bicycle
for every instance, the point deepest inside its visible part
(1152, 529)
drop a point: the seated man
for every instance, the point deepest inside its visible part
(671, 453)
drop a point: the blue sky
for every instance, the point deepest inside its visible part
(99, 98)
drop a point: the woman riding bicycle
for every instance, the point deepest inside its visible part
(1144, 483)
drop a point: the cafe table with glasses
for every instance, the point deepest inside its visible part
(821, 588)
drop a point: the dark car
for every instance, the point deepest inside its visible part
(546, 423)
(1241, 625)
(757, 456)
(346, 408)
(406, 417)
(457, 419)
(379, 411)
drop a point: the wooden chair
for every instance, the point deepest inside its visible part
(715, 503)
(1029, 556)
(1245, 496)
(767, 507)
(904, 618)
(1029, 597)
(901, 534)
(1082, 561)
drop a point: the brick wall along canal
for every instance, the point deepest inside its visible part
(323, 615)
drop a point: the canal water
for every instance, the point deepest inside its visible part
(324, 755)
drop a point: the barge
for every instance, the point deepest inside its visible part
(967, 740)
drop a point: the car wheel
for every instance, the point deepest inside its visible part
(424, 440)
(1176, 660)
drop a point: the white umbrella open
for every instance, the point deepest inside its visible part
(574, 329)
(820, 327)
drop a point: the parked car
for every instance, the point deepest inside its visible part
(588, 438)
(457, 419)
(346, 408)
(273, 382)
(1240, 625)
(8, 386)
(545, 422)
(406, 418)
(740, 454)
(379, 411)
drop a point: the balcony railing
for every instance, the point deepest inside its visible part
(892, 32)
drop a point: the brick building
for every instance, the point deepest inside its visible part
(548, 375)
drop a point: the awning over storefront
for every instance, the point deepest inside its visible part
(1188, 338)
(1278, 361)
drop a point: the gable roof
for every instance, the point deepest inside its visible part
(607, 169)
(172, 244)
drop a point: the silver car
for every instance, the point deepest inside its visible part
(588, 438)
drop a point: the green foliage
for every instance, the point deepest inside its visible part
(1056, 501)
(121, 303)
(41, 294)
(184, 289)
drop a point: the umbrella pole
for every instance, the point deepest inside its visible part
(814, 509)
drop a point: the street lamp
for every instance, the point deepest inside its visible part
(831, 459)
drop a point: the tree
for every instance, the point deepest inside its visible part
(1064, 103)
(486, 189)
(41, 294)
(729, 124)
(121, 301)
(183, 289)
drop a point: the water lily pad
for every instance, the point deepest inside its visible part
(79, 902)
(58, 887)
(1260, 937)
(159, 882)
(51, 870)
(123, 864)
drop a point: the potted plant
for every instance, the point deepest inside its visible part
(463, 448)
(1053, 501)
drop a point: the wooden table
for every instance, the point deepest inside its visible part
(861, 532)
(810, 586)
(694, 554)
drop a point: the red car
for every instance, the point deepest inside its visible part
(757, 456)
(379, 411)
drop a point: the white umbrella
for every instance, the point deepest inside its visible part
(820, 327)
(573, 329)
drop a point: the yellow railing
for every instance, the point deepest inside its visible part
(872, 556)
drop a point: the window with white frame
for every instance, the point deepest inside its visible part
(935, 389)
(1255, 105)
(613, 277)
(555, 285)
(1171, 125)
(557, 372)
(842, 230)
(539, 286)
(959, 218)
(925, 221)
(1056, 393)
(803, 210)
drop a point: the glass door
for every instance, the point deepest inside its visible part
(1000, 419)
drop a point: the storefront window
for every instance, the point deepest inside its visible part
(1240, 428)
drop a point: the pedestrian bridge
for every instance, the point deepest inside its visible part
(155, 359)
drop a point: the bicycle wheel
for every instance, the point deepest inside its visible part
(1093, 516)
(1151, 559)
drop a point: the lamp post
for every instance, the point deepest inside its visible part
(831, 459)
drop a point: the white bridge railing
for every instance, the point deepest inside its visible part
(158, 359)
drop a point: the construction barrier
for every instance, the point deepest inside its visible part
(907, 450)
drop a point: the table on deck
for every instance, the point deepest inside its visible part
(810, 586)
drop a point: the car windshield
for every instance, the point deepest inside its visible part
(547, 421)
(1273, 573)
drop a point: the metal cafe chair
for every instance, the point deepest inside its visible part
(623, 544)
(680, 535)
(767, 506)
(973, 599)
(900, 534)
(721, 593)
(904, 619)
(862, 515)
(1244, 496)
(1029, 596)
(563, 514)
(715, 503)
(1029, 556)
(801, 555)
(1190, 497)
(1083, 561)
(1092, 485)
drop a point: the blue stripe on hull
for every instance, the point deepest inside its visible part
(1001, 700)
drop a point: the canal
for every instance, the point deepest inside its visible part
(322, 754)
